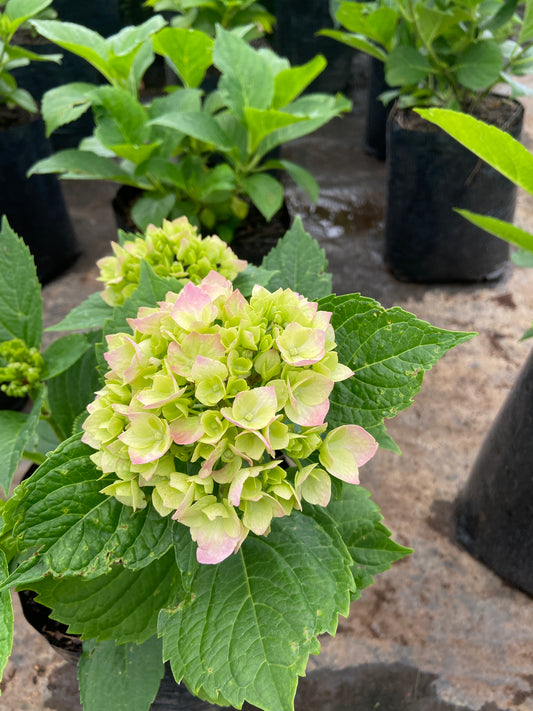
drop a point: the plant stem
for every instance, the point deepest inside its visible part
(35, 457)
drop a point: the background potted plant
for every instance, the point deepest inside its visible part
(494, 509)
(247, 382)
(452, 56)
(208, 159)
(46, 226)
(205, 15)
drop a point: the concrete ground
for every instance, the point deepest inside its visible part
(439, 632)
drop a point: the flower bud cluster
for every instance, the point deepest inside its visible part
(238, 388)
(21, 368)
(173, 250)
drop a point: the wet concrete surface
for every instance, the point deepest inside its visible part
(439, 632)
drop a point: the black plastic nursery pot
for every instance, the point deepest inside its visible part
(297, 22)
(103, 16)
(494, 512)
(35, 206)
(377, 112)
(430, 174)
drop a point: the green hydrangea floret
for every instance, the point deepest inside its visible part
(173, 250)
(239, 387)
(21, 368)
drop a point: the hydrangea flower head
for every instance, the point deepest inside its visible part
(214, 409)
(173, 250)
(21, 368)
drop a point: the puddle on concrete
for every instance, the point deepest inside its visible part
(374, 687)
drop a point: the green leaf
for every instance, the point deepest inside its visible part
(406, 65)
(495, 147)
(16, 430)
(122, 678)
(300, 264)
(499, 228)
(388, 350)
(19, 11)
(252, 275)
(479, 66)
(6, 618)
(73, 163)
(152, 209)
(122, 605)
(301, 176)
(71, 392)
(289, 83)
(64, 104)
(265, 192)
(383, 438)
(79, 40)
(196, 124)
(20, 291)
(67, 527)
(247, 79)
(502, 17)
(359, 522)
(356, 42)
(526, 31)
(90, 314)
(378, 25)
(263, 122)
(316, 109)
(190, 51)
(47, 439)
(120, 118)
(63, 353)
(247, 625)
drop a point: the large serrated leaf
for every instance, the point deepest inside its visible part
(120, 677)
(388, 350)
(6, 618)
(65, 526)
(247, 625)
(63, 353)
(300, 264)
(71, 392)
(20, 291)
(359, 522)
(122, 605)
(16, 431)
(90, 314)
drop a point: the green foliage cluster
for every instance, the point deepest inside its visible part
(249, 17)
(188, 154)
(447, 53)
(13, 15)
(128, 581)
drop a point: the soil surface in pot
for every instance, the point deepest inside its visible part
(495, 110)
(439, 630)
(15, 116)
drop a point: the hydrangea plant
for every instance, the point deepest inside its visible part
(208, 494)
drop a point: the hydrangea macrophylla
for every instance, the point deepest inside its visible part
(174, 250)
(238, 387)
